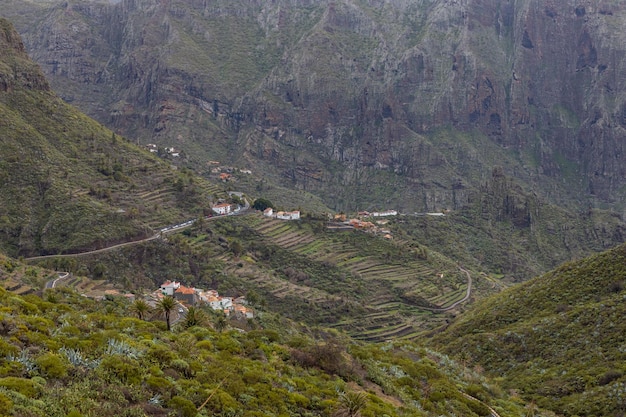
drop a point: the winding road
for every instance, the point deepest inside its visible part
(53, 282)
(158, 235)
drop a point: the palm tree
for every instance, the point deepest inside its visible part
(350, 404)
(194, 317)
(140, 307)
(220, 322)
(165, 306)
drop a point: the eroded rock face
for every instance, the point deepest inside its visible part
(326, 94)
(17, 71)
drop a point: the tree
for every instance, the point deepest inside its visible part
(194, 317)
(236, 247)
(261, 204)
(165, 306)
(350, 404)
(140, 307)
(220, 322)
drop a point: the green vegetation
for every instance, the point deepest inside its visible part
(88, 358)
(559, 339)
(68, 183)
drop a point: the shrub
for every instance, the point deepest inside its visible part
(51, 366)
(184, 407)
(25, 387)
(120, 368)
(5, 405)
(204, 344)
(609, 376)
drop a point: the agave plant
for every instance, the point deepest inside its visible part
(120, 347)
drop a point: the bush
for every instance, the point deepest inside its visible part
(25, 387)
(609, 376)
(51, 366)
(184, 407)
(5, 405)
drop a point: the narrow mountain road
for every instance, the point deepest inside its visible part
(158, 235)
(468, 294)
(53, 282)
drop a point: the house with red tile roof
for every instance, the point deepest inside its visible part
(186, 295)
(221, 209)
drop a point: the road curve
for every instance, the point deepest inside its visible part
(53, 282)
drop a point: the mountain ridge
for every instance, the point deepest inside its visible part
(69, 183)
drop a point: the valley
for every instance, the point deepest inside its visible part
(493, 129)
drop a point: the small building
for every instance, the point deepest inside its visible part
(186, 295)
(268, 212)
(221, 209)
(168, 287)
(224, 176)
(384, 213)
(220, 303)
(243, 311)
(288, 215)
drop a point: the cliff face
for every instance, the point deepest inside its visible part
(395, 98)
(16, 70)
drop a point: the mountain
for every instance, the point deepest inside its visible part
(506, 113)
(339, 97)
(559, 338)
(68, 183)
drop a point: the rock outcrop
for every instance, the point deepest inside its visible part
(417, 99)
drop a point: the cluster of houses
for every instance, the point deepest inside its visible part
(281, 215)
(168, 149)
(226, 173)
(342, 222)
(194, 296)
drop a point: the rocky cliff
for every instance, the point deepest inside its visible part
(409, 102)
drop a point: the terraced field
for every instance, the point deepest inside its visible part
(398, 293)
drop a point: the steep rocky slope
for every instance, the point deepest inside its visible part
(416, 105)
(67, 182)
(339, 94)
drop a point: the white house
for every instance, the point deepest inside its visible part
(220, 303)
(385, 213)
(221, 209)
(288, 215)
(169, 287)
(268, 212)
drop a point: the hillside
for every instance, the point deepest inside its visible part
(67, 355)
(370, 287)
(70, 184)
(334, 94)
(370, 105)
(558, 338)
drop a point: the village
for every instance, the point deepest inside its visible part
(191, 297)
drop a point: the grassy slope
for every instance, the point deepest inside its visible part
(68, 355)
(560, 338)
(67, 182)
